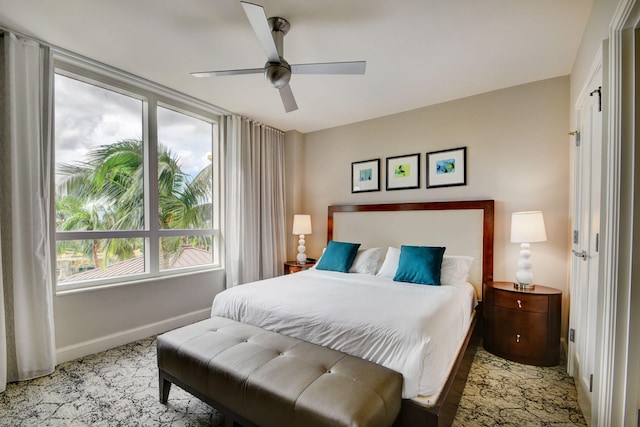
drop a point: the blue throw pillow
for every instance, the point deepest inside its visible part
(338, 256)
(420, 264)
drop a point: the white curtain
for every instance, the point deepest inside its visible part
(27, 347)
(255, 242)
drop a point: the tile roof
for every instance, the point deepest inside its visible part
(189, 257)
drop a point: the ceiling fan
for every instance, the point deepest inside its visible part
(277, 71)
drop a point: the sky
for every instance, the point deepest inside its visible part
(87, 116)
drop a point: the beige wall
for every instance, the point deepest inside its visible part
(517, 154)
(95, 320)
(294, 178)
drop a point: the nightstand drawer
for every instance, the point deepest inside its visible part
(294, 267)
(520, 301)
(521, 335)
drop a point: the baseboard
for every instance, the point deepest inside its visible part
(75, 351)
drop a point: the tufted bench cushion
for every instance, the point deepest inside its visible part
(258, 377)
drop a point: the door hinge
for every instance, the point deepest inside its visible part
(575, 237)
(590, 383)
(572, 335)
(597, 241)
(599, 92)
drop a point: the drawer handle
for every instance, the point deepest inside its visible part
(517, 337)
(519, 303)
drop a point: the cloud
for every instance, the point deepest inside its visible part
(188, 137)
(87, 116)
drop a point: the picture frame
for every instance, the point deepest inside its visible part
(447, 168)
(365, 176)
(403, 172)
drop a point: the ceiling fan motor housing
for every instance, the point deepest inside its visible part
(278, 75)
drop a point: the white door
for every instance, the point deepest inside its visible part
(586, 228)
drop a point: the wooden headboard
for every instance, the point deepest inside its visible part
(464, 227)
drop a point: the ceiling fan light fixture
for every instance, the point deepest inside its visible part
(278, 75)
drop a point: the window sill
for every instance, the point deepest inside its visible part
(133, 282)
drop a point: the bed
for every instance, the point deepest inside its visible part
(420, 331)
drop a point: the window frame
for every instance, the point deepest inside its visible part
(152, 97)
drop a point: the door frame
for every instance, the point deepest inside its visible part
(616, 388)
(577, 299)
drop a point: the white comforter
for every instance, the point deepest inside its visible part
(412, 329)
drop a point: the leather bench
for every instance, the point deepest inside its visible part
(261, 378)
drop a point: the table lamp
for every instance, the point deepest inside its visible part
(526, 228)
(301, 226)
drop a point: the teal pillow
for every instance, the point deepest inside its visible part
(338, 256)
(420, 264)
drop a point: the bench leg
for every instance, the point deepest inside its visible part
(164, 387)
(229, 420)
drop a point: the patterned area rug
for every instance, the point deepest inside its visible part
(504, 393)
(119, 387)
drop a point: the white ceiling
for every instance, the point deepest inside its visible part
(418, 52)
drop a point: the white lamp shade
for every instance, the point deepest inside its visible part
(301, 224)
(528, 227)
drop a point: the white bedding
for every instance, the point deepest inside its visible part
(412, 329)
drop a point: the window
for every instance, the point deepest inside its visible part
(136, 188)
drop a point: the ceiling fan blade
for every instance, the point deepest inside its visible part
(353, 67)
(258, 20)
(288, 100)
(228, 72)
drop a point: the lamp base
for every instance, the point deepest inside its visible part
(302, 256)
(524, 286)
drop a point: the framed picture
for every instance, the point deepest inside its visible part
(447, 168)
(365, 176)
(403, 172)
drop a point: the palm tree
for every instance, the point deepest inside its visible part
(74, 214)
(112, 176)
(183, 202)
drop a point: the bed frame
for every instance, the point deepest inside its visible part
(442, 412)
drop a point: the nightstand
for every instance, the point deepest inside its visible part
(294, 267)
(522, 325)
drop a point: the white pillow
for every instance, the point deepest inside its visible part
(366, 261)
(390, 264)
(455, 268)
